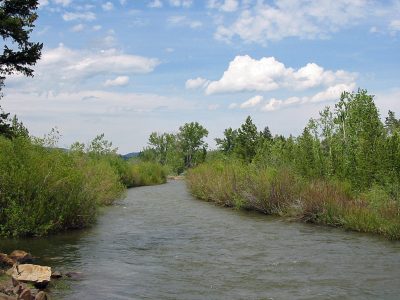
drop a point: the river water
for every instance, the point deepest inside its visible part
(161, 243)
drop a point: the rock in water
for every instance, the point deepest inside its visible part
(39, 276)
(21, 256)
(42, 296)
(25, 295)
(5, 261)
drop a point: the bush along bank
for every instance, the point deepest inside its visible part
(45, 190)
(343, 170)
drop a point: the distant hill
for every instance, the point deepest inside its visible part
(130, 155)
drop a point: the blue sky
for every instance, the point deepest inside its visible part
(127, 68)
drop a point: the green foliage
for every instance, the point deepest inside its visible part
(247, 141)
(146, 173)
(178, 151)
(17, 19)
(343, 170)
(45, 190)
(191, 140)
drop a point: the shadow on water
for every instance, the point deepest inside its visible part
(160, 243)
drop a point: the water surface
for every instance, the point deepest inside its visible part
(161, 243)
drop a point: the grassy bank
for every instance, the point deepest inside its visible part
(280, 191)
(45, 190)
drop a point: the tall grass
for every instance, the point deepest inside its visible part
(45, 190)
(283, 192)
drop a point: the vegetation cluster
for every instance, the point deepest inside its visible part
(343, 170)
(44, 189)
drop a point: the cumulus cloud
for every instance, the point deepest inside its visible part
(266, 74)
(286, 18)
(65, 69)
(83, 16)
(118, 81)
(329, 94)
(198, 82)
(252, 102)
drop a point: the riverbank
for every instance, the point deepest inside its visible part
(283, 193)
(46, 189)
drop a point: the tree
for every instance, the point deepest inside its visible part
(191, 139)
(391, 123)
(100, 146)
(227, 144)
(17, 19)
(247, 140)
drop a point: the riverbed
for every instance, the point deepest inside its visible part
(161, 243)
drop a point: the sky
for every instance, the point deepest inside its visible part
(127, 68)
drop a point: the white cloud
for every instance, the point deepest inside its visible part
(333, 92)
(107, 6)
(252, 102)
(266, 74)
(65, 69)
(155, 4)
(329, 94)
(118, 81)
(96, 27)
(78, 28)
(198, 82)
(84, 16)
(288, 18)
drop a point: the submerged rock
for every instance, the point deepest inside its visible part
(42, 296)
(5, 260)
(39, 276)
(25, 295)
(21, 256)
(56, 275)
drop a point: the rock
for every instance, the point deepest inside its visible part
(6, 297)
(39, 276)
(25, 295)
(42, 296)
(74, 275)
(5, 261)
(19, 288)
(56, 275)
(21, 256)
(14, 282)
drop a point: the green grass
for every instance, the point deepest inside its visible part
(282, 192)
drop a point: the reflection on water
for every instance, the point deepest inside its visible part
(160, 243)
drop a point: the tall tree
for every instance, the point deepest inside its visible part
(227, 144)
(17, 19)
(191, 139)
(247, 140)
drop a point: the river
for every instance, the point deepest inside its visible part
(161, 243)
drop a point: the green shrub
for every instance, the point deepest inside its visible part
(45, 190)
